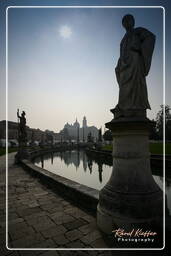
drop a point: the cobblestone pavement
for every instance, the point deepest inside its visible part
(40, 218)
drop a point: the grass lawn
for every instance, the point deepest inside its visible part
(108, 147)
(155, 148)
(3, 150)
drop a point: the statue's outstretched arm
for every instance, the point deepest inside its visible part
(18, 114)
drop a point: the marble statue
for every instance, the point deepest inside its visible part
(133, 66)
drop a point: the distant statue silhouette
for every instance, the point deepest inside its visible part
(133, 66)
(22, 127)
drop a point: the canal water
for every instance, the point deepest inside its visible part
(87, 170)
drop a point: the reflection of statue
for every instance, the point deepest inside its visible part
(84, 162)
(100, 169)
(42, 161)
(136, 51)
(90, 164)
(22, 127)
(52, 158)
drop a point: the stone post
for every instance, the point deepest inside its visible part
(131, 197)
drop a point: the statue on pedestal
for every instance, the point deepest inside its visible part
(133, 66)
(22, 136)
(131, 198)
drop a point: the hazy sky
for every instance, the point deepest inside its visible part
(61, 63)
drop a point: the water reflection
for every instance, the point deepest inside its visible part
(89, 170)
(75, 158)
(63, 163)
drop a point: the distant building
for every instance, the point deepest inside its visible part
(84, 122)
(32, 134)
(12, 130)
(77, 133)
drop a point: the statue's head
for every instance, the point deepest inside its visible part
(23, 113)
(128, 22)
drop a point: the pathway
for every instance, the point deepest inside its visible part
(39, 218)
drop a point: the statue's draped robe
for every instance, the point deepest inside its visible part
(136, 51)
(22, 128)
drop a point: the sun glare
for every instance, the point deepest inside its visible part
(65, 31)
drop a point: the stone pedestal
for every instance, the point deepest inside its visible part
(22, 152)
(131, 197)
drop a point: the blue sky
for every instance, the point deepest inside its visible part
(56, 78)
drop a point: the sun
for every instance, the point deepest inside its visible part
(65, 31)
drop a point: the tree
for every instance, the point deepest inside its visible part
(108, 135)
(100, 135)
(90, 137)
(153, 132)
(159, 122)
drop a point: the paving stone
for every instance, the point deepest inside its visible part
(19, 233)
(75, 212)
(40, 194)
(32, 205)
(28, 211)
(74, 224)
(47, 206)
(28, 241)
(65, 203)
(17, 226)
(45, 244)
(38, 220)
(99, 243)
(54, 231)
(75, 244)
(89, 238)
(63, 219)
(60, 240)
(89, 218)
(43, 225)
(88, 228)
(56, 209)
(42, 201)
(73, 235)
(15, 220)
(55, 215)
(35, 215)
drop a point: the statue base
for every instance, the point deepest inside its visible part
(128, 113)
(131, 198)
(22, 153)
